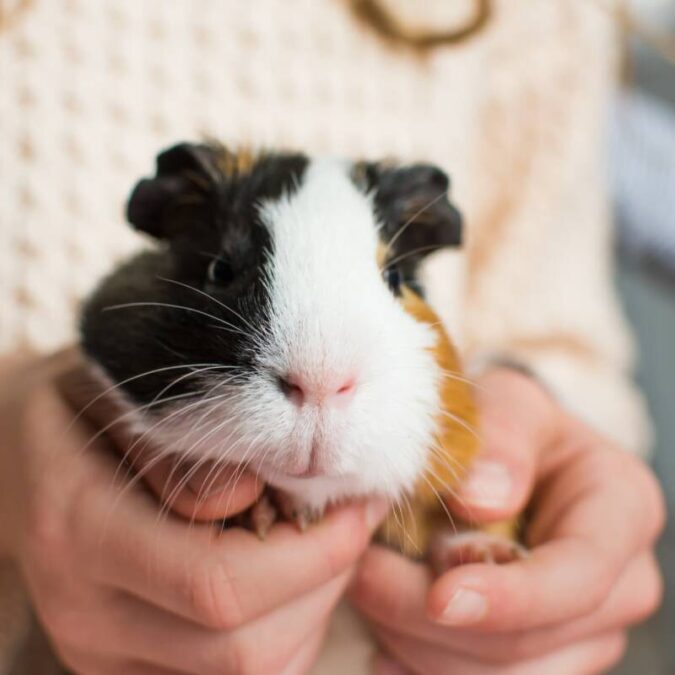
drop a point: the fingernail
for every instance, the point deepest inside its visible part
(376, 510)
(385, 666)
(489, 484)
(207, 480)
(465, 607)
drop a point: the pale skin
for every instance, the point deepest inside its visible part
(119, 590)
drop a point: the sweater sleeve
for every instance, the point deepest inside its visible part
(539, 288)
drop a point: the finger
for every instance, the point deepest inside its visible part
(584, 462)
(219, 579)
(400, 607)
(584, 658)
(635, 597)
(517, 419)
(141, 632)
(223, 580)
(391, 590)
(585, 529)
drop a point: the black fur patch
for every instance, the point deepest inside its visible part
(413, 204)
(201, 208)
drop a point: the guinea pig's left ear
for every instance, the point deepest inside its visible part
(418, 217)
(185, 174)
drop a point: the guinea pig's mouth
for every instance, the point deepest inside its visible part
(306, 458)
(312, 468)
(309, 472)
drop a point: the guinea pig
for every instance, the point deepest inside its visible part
(278, 323)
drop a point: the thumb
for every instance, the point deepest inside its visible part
(517, 419)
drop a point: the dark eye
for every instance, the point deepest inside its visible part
(392, 276)
(220, 272)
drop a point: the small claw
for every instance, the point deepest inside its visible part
(299, 514)
(263, 516)
(302, 518)
(288, 506)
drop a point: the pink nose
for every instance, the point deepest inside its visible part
(300, 390)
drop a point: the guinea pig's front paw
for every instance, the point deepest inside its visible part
(263, 515)
(450, 550)
(296, 512)
(273, 506)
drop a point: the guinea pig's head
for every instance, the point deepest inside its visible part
(266, 326)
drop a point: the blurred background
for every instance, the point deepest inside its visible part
(643, 166)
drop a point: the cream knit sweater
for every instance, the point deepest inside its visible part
(91, 89)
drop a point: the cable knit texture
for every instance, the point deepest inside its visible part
(92, 89)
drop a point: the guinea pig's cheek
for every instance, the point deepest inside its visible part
(384, 442)
(399, 423)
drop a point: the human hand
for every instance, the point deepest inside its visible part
(119, 589)
(595, 512)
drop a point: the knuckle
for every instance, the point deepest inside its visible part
(650, 599)
(214, 598)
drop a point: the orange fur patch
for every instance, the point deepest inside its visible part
(236, 163)
(453, 449)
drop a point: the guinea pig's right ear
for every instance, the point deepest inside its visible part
(185, 175)
(414, 206)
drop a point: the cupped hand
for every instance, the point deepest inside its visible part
(593, 517)
(119, 589)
